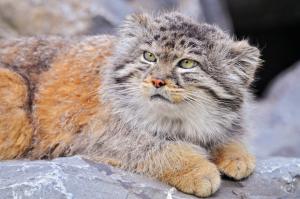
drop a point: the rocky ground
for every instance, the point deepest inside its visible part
(77, 178)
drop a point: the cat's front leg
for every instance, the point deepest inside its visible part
(189, 170)
(178, 164)
(234, 160)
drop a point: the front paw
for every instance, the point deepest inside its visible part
(235, 162)
(202, 180)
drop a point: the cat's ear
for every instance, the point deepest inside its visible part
(246, 59)
(135, 24)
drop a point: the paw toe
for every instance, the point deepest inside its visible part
(237, 168)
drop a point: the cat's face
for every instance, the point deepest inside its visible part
(170, 64)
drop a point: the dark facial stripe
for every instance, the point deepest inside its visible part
(186, 78)
(141, 68)
(189, 73)
(125, 78)
(195, 52)
(233, 104)
(175, 78)
(119, 67)
(210, 91)
(221, 84)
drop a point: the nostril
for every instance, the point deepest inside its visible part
(158, 83)
(161, 83)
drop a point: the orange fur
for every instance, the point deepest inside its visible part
(186, 169)
(234, 160)
(63, 90)
(71, 91)
(15, 128)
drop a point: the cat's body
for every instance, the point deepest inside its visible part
(165, 99)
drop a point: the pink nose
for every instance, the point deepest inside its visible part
(158, 83)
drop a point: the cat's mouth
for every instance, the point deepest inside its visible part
(159, 97)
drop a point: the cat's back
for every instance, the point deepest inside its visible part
(30, 56)
(48, 86)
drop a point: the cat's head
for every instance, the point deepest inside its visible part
(169, 64)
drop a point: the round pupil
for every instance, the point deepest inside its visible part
(187, 62)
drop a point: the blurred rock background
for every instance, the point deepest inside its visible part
(75, 17)
(273, 26)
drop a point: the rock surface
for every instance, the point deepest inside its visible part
(276, 120)
(76, 17)
(75, 177)
(35, 17)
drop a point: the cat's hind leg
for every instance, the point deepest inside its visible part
(15, 125)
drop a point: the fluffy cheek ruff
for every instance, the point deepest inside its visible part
(202, 122)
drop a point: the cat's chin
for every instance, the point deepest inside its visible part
(162, 106)
(160, 98)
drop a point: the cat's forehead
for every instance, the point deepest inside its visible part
(174, 31)
(175, 26)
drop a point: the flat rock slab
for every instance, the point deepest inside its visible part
(75, 177)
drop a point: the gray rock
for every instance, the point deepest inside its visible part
(35, 17)
(69, 18)
(276, 119)
(75, 177)
(216, 12)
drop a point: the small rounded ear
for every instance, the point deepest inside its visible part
(134, 24)
(246, 59)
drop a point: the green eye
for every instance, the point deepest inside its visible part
(150, 57)
(187, 63)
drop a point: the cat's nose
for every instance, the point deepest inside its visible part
(157, 83)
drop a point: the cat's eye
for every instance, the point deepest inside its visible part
(150, 57)
(187, 63)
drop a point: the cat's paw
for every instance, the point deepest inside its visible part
(202, 180)
(237, 167)
(235, 162)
